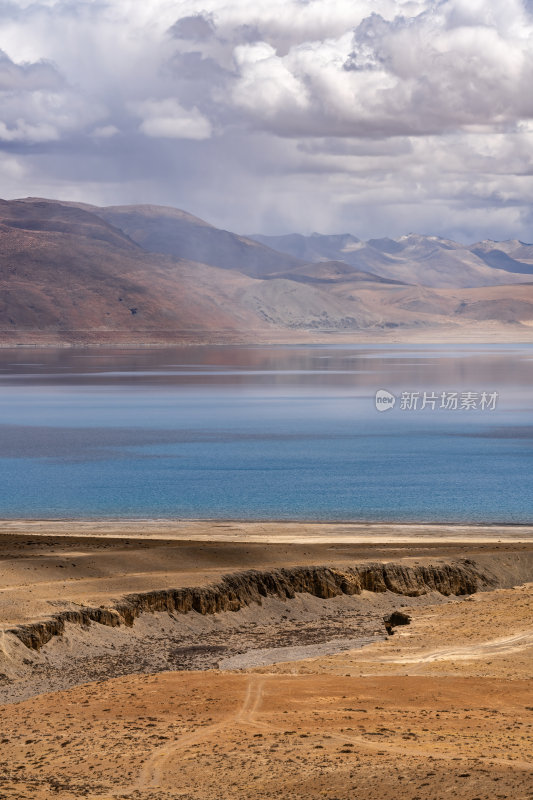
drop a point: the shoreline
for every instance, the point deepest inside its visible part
(270, 532)
(467, 334)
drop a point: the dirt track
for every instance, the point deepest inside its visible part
(442, 708)
(218, 736)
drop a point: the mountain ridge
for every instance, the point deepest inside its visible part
(70, 275)
(425, 260)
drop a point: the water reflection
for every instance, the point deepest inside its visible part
(339, 366)
(264, 432)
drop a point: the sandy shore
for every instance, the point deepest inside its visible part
(312, 699)
(270, 532)
(487, 331)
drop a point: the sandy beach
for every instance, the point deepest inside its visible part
(281, 532)
(303, 693)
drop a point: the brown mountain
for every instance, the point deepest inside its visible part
(159, 229)
(67, 275)
(64, 269)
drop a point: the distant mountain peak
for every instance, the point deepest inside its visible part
(335, 236)
(413, 258)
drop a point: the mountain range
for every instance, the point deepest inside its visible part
(425, 260)
(76, 273)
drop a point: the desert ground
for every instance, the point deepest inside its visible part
(301, 696)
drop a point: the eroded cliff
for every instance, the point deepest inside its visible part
(241, 589)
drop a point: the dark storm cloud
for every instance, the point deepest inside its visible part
(373, 116)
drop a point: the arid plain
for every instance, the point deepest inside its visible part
(292, 688)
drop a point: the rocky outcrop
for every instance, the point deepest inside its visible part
(241, 589)
(395, 619)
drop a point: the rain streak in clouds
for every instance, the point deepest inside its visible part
(376, 117)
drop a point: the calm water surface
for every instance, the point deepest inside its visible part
(266, 433)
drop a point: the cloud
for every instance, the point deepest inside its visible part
(361, 115)
(28, 77)
(195, 28)
(105, 131)
(166, 119)
(37, 105)
(442, 70)
(22, 131)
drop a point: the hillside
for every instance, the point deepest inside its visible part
(159, 229)
(69, 276)
(64, 269)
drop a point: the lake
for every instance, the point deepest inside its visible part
(269, 433)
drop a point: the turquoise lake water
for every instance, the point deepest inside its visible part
(267, 433)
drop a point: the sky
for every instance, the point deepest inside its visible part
(373, 117)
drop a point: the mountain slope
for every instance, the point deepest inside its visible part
(512, 256)
(63, 269)
(159, 229)
(424, 260)
(331, 272)
(311, 248)
(69, 276)
(66, 272)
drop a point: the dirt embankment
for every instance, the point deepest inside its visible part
(441, 708)
(76, 608)
(236, 591)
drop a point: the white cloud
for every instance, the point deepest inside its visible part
(166, 119)
(267, 87)
(358, 114)
(432, 73)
